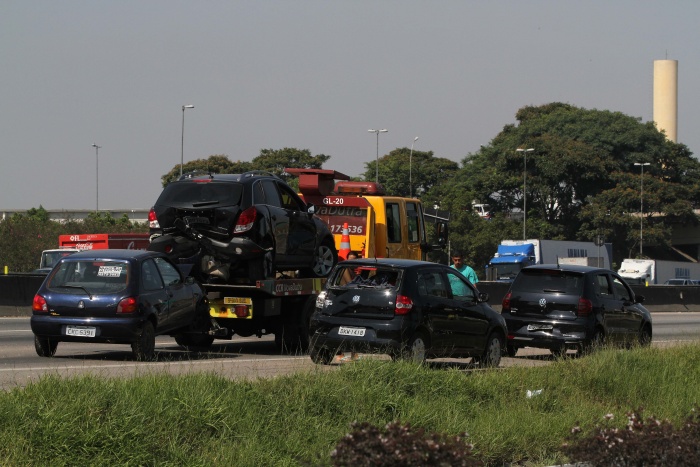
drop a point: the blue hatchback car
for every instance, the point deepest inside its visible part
(121, 297)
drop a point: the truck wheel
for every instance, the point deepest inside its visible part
(44, 346)
(144, 346)
(325, 257)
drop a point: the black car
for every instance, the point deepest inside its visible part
(407, 309)
(561, 307)
(245, 226)
(121, 297)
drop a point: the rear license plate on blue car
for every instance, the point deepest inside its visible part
(81, 331)
(345, 331)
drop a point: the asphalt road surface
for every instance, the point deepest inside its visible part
(250, 357)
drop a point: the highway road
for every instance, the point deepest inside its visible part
(240, 358)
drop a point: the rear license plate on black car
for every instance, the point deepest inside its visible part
(345, 331)
(539, 327)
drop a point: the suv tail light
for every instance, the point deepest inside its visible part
(127, 305)
(153, 220)
(39, 304)
(505, 304)
(245, 220)
(404, 305)
(585, 307)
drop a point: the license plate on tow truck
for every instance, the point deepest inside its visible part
(346, 331)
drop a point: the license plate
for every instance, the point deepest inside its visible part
(539, 327)
(238, 301)
(81, 331)
(345, 331)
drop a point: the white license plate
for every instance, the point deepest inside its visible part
(345, 331)
(539, 327)
(81, 331)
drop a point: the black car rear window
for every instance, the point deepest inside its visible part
(201, 194)
(354, 276)
(548, 281)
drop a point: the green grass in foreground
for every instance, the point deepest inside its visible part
(297, 420)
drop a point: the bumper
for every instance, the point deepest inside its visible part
(177, 247)
(106, 329)
(547, 334)
(386, 336)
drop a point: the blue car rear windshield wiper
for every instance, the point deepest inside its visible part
(75, 287)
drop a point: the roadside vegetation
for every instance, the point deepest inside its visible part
(301, 419)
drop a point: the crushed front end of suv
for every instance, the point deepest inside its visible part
(238, 228)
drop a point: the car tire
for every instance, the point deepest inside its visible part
(645, 336)
(416, 349)
(144, 346)
(511, 350)
(491, 357)
(44, 346)
(596, 341)
(325, 257)
(559, 352)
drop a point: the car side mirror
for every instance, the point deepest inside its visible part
(483, 297)
(639, 299)
(442, 233)
(310, 208)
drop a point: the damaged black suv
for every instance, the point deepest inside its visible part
(238, 228)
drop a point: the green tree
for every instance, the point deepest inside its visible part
(404, 175)
(218, 164)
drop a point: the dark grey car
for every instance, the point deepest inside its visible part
(558, 307)
(407, 309)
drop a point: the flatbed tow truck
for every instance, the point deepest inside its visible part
(381, 226)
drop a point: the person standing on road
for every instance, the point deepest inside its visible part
(458, 264)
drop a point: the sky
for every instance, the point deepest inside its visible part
(306, 74)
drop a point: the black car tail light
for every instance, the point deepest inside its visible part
(153, 220)
(127, 305)
(39, 304)
(585, 307)
(404, 305)
(505, 304)
(245, 220)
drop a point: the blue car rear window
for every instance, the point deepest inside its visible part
(95, 277)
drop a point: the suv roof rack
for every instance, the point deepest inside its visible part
(253, 173)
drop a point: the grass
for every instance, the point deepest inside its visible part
(297, 420)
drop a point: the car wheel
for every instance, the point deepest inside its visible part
(645, 336)
(491, 357)
(594, 343)
(325, 258)
(559, 352)
(144, 346)
(511, 350)
(416, 349)
(44, 346)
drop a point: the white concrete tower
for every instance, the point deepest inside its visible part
(666, 97)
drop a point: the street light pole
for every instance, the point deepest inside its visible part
(97, 177)
(410, 170)
(641, 206)
(524, 151)
(182, 139)
(377, 167)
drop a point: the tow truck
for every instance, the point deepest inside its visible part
(378, 226)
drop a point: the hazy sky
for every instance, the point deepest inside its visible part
(305, 74)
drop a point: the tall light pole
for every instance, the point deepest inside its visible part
(410, 170)
(377, 167)
(641, 206)
(182, 142)
(97, 177)
(524, 151)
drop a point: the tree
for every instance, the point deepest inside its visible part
(581, 179)
(218, 163)
(398, 168)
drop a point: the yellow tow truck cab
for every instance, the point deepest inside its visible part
(379, 226)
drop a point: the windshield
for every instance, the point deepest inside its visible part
(507, 271)
(191, 194)
(362, 276)
(548, 281)
(92, 277)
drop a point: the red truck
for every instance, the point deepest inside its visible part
(129, 241)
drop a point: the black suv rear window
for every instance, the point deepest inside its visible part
(201, 194)
(548, 281)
